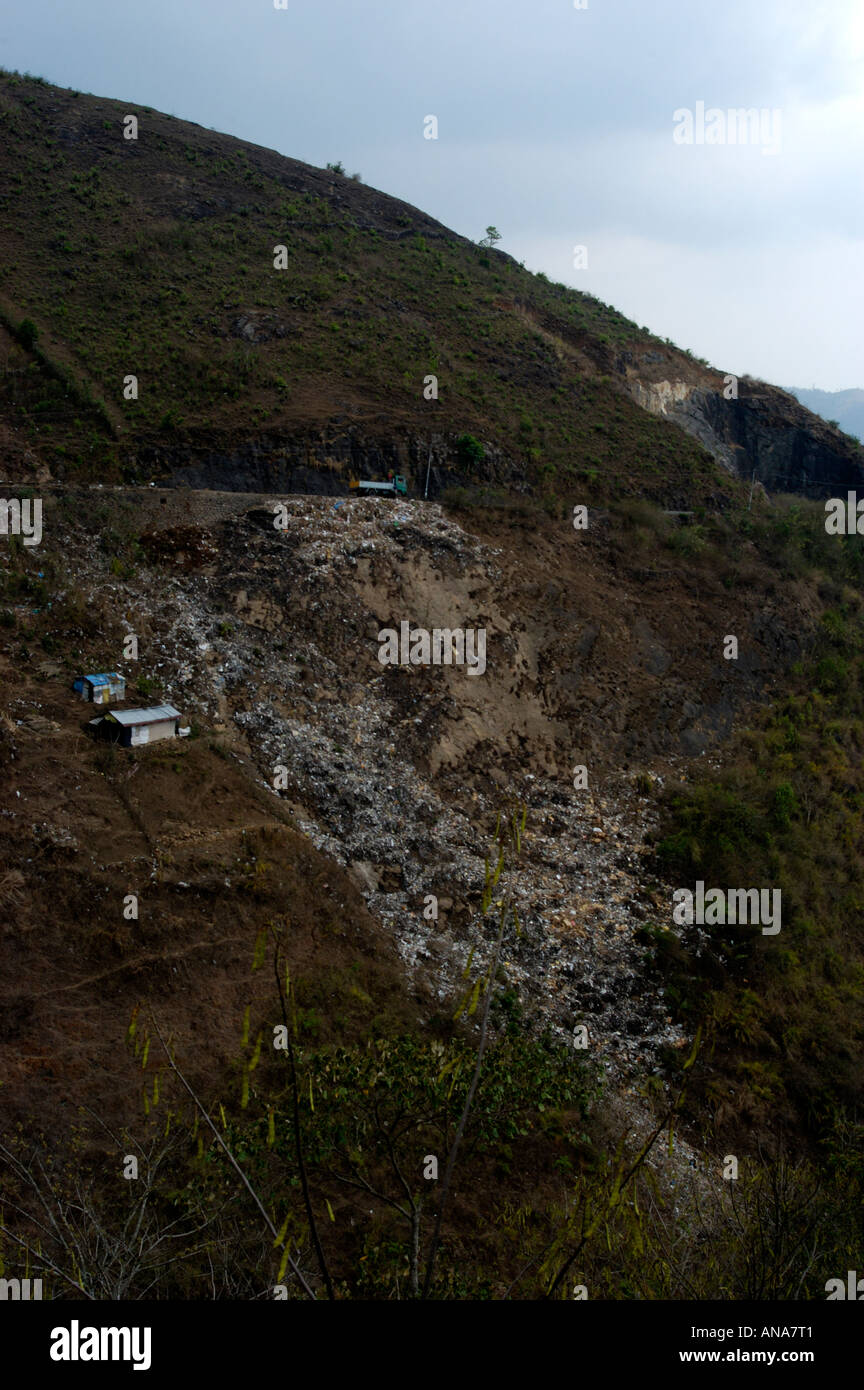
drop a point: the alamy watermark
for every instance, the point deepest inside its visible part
(21, 518)
(852, 1289)
(77, 1343)
(845, 518)
(735, 126)
(736, 906)
(443, 646)
(20, 1290)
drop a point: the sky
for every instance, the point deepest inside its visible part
(565, 125)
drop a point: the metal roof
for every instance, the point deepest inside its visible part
(143, 716)
(104, 679)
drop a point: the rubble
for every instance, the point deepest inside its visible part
(273, 642)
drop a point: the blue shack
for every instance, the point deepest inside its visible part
(103, 689)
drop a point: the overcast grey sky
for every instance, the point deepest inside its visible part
(555, 124)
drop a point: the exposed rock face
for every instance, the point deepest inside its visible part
(764, 432)
(788, 448)
(321, 463)
(694, 409)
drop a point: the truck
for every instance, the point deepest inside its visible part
(393, 487)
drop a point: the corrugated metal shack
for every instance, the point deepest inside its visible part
(132, 727)
(102, 689)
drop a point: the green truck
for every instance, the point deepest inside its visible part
(395, 486)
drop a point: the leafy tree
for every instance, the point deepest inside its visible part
(469, 451)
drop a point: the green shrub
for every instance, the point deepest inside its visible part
(27, 333)
(469, 452)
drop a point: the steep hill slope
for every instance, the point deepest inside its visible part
(154, 258)
(604, 649)
(331, 799)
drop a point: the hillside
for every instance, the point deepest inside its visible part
(602, 650)
(154, 258)
(285, 855)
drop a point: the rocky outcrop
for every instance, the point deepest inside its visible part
(762, 432)
(321, 463)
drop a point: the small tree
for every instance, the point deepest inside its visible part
(492, 236)
(469, 451)
(337, 168)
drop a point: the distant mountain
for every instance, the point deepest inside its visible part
(844, 407)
